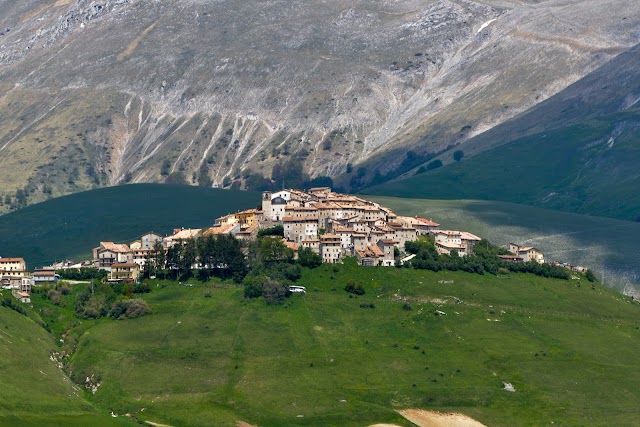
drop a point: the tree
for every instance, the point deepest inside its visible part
(273, 291)
(176, 178)
(173, 259)
(308, 258)
(590, 276)
(458, 155)
(160, 256)
(276, 230)
(166, 168)
(188, 256)
(273, 250)
(434, 165)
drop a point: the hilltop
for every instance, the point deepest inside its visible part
(103, 93)
(207, 356)
(579, 239)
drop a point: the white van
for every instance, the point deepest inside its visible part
(299, 289)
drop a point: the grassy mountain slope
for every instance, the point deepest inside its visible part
(327, 359)
(34, 390)
(589, 167)
(70, 226)
(608, 246)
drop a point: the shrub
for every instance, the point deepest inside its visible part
(273, 291)
(129, 309)
(434, 165)
(54, 296)
(65, 290)
(458, 155)
(9, 302)
(354, 288)
(590, 276)
(141, 288)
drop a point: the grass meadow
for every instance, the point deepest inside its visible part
(34, 390)
(207, 356)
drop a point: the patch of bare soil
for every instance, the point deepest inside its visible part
(243, 424)
(423, 418)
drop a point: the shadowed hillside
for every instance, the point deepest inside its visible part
(589, 168)
(70, 226)
(577, 151)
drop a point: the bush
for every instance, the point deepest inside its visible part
(65, 290)
(54, 296)
(141, 288)
(129, 309)
(9, 302)
(273, 291)
(354, 288)
(590, 276)
(458, 155)
(434, 165)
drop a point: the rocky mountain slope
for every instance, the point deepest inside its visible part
(577, 151)
(95, 93)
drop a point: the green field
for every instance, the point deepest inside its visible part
(589, 168)
(608, 246)
(568, 348)
(70, 226)
(34, 390)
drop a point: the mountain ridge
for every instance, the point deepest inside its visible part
(134, 90)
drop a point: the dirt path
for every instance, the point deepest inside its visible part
(424, 418)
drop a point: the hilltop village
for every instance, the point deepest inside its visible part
(329, 224)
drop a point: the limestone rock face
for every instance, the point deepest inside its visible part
(97, 93)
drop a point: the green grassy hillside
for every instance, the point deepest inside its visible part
(608, 246)
(206, 356)
(70, 226)
(589, 168)
(34, 390)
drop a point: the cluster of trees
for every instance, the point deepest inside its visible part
(484, 259)
(272, 269)
(219, 255)
(100, 299)
(82, 273)
(268, 269)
